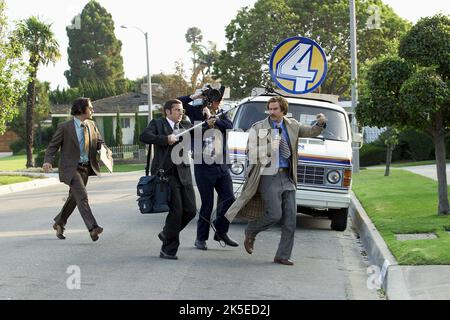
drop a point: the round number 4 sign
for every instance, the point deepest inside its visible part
(298, 65)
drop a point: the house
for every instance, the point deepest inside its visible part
(6, 140)
(105, 113)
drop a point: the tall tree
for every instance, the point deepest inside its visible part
(413, 90)
(12, 84)
(41, 110)
(40, 44)
(206, 58)
(168, 86)
(94, 51)
(254, 33)
(194, 37)
(137, 130)
(380, 99)
(119, 133)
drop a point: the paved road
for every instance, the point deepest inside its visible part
(124, 263)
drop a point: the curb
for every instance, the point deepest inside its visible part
(391, 276)
(24, 186)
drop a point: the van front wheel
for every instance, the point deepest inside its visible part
(339, 219)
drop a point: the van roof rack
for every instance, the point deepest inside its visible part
(311, 96)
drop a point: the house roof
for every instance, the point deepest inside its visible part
(126, 103)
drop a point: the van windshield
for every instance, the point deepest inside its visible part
(251, 112)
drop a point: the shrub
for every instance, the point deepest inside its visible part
(39, 159)
(372, 154)
(416, 145)
(18, 147)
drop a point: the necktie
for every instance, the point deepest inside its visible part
(285, 151)
(86, 138)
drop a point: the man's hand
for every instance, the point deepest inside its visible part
(47, 167)
(211, 121)
(321, 119)
(171, 140)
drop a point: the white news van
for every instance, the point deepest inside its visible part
(324, 162)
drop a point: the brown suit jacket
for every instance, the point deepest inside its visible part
(66, 138)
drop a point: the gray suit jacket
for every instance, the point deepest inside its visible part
(66, 138)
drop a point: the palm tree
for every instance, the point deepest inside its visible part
(39, 42)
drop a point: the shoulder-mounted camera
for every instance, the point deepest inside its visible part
(210, 95)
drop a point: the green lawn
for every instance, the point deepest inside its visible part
(4, 180)
(403, 164)
(13, 163)
(405, 203)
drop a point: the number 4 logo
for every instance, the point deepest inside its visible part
(296, 65)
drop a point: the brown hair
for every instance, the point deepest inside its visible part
(169, 105)
(79, 106)
(284, 105)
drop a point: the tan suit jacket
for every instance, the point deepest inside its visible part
(295, 131)
(66, 138)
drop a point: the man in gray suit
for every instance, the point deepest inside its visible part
(79, 140)
(278, 184)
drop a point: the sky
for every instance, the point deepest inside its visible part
(166, 23)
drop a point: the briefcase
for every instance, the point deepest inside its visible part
(153, 191)
(154, 194)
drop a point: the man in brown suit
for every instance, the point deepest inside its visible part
(79, 140)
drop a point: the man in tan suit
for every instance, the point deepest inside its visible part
(276, 184)
(79, 140)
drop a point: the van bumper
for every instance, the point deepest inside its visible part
(313, 199)
(322, 199)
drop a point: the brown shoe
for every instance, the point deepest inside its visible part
(286, 262)
(59, 231)
(95, 232)
(248, 242)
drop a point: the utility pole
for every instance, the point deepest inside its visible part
(354, 80)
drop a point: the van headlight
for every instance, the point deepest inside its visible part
(237, 168)
(333, 177)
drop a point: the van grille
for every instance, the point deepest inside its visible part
(311, 175)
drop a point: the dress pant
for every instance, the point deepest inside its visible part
(208, 179)
(78, 198)
(182, 211)
(278, 194)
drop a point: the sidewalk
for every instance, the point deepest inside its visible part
(5, 154)
(428, 171)
(399, 282)
(43, 180)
